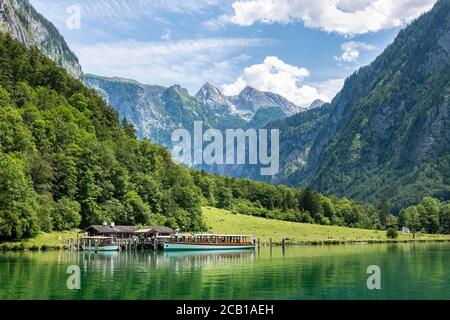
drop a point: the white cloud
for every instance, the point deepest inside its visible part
(347, 17)
(190, 62)
(276, 76)
(351, 50)
(329, 88)
(167, 36)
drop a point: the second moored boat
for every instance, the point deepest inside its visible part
(210, 242)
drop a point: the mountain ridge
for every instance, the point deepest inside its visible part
(156, 111)
(388, 130)
(24, 23)
(247, 102)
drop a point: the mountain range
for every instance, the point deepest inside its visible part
(246, 104)
(156, 111)
(386, 134)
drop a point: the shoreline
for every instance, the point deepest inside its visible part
(22, 247)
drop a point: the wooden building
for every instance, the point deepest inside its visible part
(118, 232)
(127, 237)
(153, 237)
(153, 232)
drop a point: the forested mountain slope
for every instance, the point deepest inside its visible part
(66, 161)
(389, 131)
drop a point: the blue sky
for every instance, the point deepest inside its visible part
(301, 49)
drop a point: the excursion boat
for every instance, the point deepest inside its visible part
(210, 242)
(99, 244)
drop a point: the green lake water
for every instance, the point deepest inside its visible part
(408, 271)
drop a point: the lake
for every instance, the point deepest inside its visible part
(408, 271)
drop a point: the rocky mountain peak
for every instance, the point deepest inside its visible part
(251, 100)
(209, 91)
(250, 91)
(211, 96)
(177, 89)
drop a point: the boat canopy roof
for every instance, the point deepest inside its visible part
(96, 238)
(215, 235)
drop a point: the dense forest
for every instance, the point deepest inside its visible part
(66, 162)
(282, 203)
(431, 216)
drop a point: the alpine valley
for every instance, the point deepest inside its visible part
(386, 134)
(85, 161)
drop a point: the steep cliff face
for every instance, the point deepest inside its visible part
(248, 103)
(387, 132)
(24, 23)
(389, 129)
(297, 136)
(136, 102)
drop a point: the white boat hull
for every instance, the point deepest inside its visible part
(103, 248)
(203, 247)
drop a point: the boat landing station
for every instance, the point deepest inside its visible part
(116, 238)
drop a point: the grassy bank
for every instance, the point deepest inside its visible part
(222, 221)
(44, 241)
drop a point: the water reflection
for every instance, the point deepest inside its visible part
(409, 271)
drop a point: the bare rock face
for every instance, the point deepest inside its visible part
(24, 23)
(251, 100)
(247, 103)
(138, 103)
(395, 112)
(211, 96)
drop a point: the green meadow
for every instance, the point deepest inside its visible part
(226, 222)
(43, 241)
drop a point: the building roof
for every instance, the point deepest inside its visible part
(163, 230)
(112, 229)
